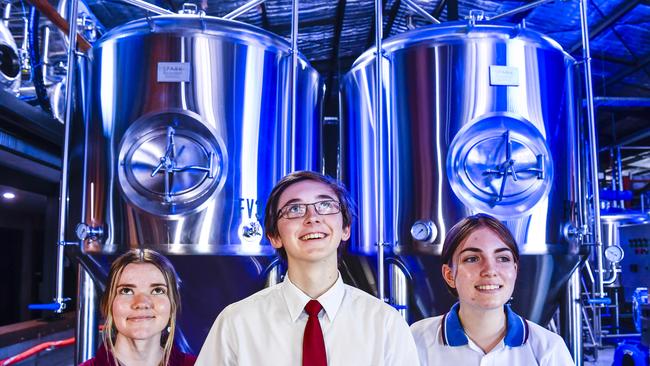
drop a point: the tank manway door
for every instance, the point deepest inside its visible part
(170, 163)
(500, 165)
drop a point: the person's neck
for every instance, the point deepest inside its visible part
(313, 280)
(138, 352)
(486, 328)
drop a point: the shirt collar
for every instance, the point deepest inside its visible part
(454, 335)
(296, 299)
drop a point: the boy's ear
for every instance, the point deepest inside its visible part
(345, 235)
(275, 242)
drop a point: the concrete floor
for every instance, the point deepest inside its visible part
(605, 357)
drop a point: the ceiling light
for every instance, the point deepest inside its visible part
(8, 195)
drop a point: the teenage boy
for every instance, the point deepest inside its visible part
(312, 318)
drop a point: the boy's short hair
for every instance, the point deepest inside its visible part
(271, 211)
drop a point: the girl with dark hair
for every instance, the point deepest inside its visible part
(140, 305)
(480, 262)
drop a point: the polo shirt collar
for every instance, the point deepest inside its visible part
(296, 299)
(453, 333)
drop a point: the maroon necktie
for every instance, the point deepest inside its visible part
(313, 345)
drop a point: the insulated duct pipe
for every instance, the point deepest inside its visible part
(38, 76)
(44, 7)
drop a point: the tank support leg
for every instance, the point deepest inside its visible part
(572, 318)
(87, 327)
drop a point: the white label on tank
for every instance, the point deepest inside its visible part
(173, 72)
(504, 75)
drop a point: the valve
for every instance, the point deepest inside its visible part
(84, 232)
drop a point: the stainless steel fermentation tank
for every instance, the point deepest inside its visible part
(476, 118)
(187, 129)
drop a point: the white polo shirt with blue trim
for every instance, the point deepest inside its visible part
(442, 340)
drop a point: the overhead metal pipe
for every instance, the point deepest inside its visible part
(593, 149)
(520, 9)
(620, 102)
(421, 12)
(243, 9)
(148, 6)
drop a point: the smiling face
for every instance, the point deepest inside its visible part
(313, 237)
(141, 308)
(483, 271)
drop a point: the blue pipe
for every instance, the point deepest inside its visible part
(51, 306)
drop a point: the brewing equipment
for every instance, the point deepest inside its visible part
(477, 117)
(9, 61)
(188, 128)
(635, 242)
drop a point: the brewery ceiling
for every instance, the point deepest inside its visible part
(333, 33)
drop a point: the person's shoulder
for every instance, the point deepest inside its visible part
(366, 306)
(259, 300)
(360, 296)
(180, 358)
(188, 359)
(541, 333)
(370, 304)
(427, 323)
(542, 338)
(91, 362)
(426, 326)
(549, 346)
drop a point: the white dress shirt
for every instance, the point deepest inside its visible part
(442, 341)
(267, 329)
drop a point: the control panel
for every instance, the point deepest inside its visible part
(635, 266)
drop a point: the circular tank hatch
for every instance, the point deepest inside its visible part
(170, 163)
(500, 165)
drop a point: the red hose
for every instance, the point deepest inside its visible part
(35, 350)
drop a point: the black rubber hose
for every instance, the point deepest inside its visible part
(35, 61)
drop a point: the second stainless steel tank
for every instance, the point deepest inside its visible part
(476, 118)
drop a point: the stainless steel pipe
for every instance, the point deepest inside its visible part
(379, 162)
(87, 318)
(63, 189)
(593, 149)
(295, 21)
(147, 6)
(421, 12)
(243, 9)
(573, 318)
(520, 9)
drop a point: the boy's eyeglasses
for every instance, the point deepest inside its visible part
(298, 210)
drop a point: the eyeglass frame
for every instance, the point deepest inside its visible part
(280, 213)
